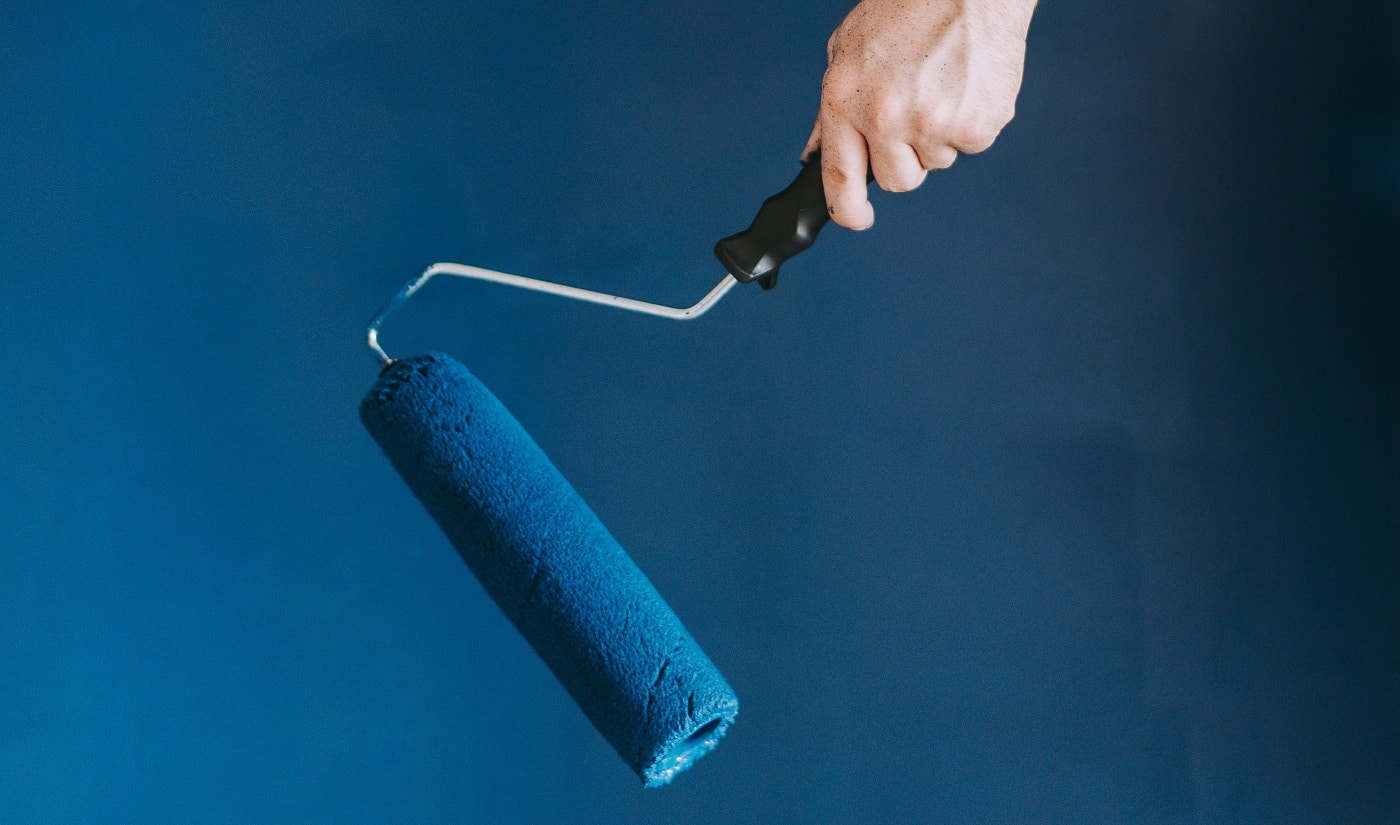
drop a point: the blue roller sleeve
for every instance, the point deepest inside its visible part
(549, 563)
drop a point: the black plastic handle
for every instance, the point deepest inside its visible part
(786, 224)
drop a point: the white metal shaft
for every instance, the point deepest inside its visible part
(477, 273)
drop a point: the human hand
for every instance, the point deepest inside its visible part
(909, 84)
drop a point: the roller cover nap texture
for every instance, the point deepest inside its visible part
(550, 564)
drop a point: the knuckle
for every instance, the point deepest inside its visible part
(887, 114)
(835, 176)
(939, 157)
(975, 135)
(929, 124)
(900, 182)
(971, 144)
(837, 85)
(892, 184)
(1007, 115)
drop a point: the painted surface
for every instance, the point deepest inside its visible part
(1066, 493)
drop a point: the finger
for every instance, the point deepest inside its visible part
(814, 142)
(896, 166)
(936, 156)
(975, 137)
(844, 162)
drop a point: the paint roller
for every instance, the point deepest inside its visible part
(535, 545)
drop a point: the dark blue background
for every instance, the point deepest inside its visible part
(1067, 493)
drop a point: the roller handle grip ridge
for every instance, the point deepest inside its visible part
(786, 224)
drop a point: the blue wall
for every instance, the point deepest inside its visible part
(1068, 493)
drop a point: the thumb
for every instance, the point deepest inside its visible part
(814, 142)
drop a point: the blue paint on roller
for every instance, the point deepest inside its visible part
(549, 563)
